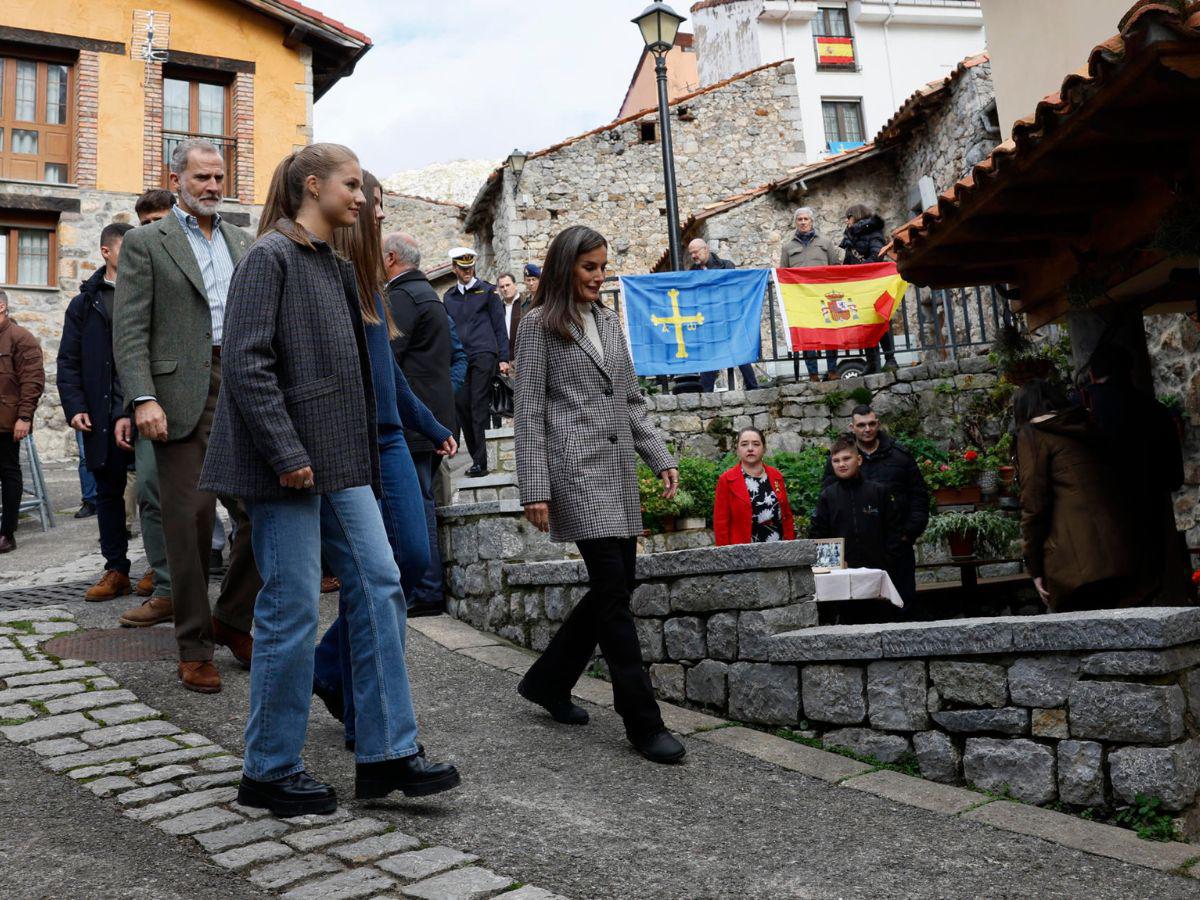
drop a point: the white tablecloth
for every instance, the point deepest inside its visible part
(857, 584)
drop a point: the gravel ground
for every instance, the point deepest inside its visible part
(575, 811)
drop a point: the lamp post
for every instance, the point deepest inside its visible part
(659, 25)
(516, 162)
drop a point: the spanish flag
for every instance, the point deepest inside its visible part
(835, 51)
(838, 307)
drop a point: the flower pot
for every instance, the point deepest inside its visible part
(1023, 371)
(963, 496)
(962, 544)
(691, 524)
(668, 523)
(1007, 474)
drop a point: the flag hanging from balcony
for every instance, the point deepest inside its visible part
(838, 307)
(835, 51)
(698, 321)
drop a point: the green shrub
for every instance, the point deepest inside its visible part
(1147, 819)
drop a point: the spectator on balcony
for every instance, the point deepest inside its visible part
(751, 502)
(22, 380)
(863, 240)
(92, 402)
(1076, 544)
(807, 248)
(703, 258)
(1142, 435)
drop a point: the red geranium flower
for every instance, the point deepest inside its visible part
(970, 456)
(1196, 577)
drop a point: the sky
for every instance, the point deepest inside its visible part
(474, 79)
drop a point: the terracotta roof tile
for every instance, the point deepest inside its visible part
(317, 16)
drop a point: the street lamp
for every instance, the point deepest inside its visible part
(659, 24)
(516, 162)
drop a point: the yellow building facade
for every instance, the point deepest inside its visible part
(95, 95)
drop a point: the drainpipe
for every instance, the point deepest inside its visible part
(887, 50)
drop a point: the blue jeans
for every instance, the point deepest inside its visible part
(87, 481)
(289, 537)
(404, 519)
(428, 588)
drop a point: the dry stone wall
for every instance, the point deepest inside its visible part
(1174, 345)
(741, 134)
(437, 225)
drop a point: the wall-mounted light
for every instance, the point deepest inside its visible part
(516, 162)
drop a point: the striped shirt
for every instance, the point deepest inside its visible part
(216, 266)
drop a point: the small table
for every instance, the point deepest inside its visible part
(856, 584)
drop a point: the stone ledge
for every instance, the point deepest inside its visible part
(1122, 629)
(491, 480)
(910, 791)
(487, 508)
(676, 563)
(787, 754)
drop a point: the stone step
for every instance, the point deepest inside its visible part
(499, 434)
(491, 480)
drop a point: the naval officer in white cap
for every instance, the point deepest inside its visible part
(478, 314)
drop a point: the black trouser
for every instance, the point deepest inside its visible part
(810, 361)
(888, 343)
(603, 617)
(10, 483)
(708, 380)
(473, 404)
(110, 509)
(903, 572)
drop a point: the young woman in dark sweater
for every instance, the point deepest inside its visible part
(296, 436)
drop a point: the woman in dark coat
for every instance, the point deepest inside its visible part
(1072, 530)
(863, 240)
(580, 425)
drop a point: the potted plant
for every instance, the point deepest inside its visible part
(1017, 358)
(953, 482)
(985, 533)
(998, 469)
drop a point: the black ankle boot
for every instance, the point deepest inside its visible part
(659, 747)
(332, 699)
(563, 711)
(295, 795)
(411, 774)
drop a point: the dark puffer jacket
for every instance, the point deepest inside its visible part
(863, 513)
(893, 467)
(863, 240)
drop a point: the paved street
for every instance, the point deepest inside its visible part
(573, 811)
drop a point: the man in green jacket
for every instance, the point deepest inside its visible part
(807, 248)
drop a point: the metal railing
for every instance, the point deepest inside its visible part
(929, 324)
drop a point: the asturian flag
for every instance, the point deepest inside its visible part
(838, 307)
(698, 321)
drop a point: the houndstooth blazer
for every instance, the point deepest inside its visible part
(580, 423)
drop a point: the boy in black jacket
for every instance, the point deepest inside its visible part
(860, 511)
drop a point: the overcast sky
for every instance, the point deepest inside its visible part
(472, 79)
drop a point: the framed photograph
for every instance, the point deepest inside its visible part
(831, 554)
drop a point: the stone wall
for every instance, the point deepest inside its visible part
(437, 225)
(741, 133)
(41, 309)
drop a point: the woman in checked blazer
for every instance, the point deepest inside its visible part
(580, 423)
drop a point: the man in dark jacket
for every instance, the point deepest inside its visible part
(807, 248)
(862, 512)
(888, 463)
(22, 380)
(426, 353)
(94, 406)
(478, 313)
(704, 258)
(1141, 434)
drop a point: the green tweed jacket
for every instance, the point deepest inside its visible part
(162, 327)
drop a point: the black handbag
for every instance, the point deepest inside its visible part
(502, 396)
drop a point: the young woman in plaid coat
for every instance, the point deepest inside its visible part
(580, 425)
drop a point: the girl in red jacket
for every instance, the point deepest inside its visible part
(751, 503)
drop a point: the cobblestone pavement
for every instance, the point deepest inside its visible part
(572, 810)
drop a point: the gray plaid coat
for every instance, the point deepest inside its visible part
(580, 423)
(296, 377)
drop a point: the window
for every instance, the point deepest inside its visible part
(35, 115)
(832, 40)
(843, 124)
(646, 131)
(28, 249)
(195, 107)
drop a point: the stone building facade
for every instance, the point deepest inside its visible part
(101, 93)
(734, 134)
(437, 225)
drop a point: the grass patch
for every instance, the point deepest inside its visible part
(22, 625)
(1145, 816)
(10, 721)
(906, 765)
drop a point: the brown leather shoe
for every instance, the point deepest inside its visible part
(7, 543)
(200, 676)
(112, 584)
(240, 643)
(329, 584)
(145, 585)
(151, 612)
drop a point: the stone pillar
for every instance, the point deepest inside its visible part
(1119, 323)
